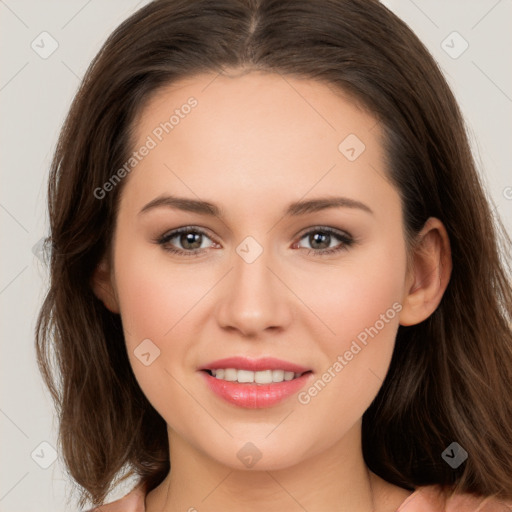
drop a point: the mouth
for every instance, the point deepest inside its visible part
(261, 377)
(254, 383)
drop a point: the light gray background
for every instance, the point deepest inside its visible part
(35, 94)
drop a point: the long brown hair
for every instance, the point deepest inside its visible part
(450, 377)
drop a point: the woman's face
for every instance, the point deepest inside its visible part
(291, 169)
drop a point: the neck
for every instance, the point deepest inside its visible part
(336, 479)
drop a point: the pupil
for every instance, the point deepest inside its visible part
(188, 239)
(320, 238)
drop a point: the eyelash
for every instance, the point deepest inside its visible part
(345, 239)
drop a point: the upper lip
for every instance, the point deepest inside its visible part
(255, 365)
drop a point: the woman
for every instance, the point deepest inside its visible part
(204, 341)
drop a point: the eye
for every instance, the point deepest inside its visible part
(321, 241)
(191, 240)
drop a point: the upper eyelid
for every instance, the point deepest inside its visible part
(184, 229)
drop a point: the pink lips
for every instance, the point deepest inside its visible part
(265, 363)
(250, 395)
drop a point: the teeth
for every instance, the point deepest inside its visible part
(260, 377)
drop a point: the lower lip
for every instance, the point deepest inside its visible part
(255, 396)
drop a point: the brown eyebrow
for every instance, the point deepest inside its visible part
(294, 209)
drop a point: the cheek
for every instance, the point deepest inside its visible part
(152, 297)
(361, 298)
(360, 304)
(156, 303)
(151, 303)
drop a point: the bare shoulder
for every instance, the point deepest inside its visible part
(432, 498)
(386, 494)
(132, 502)
(471, 503)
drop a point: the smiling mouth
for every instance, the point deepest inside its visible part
(262, 377)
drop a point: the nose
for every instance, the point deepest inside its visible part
(254, 298)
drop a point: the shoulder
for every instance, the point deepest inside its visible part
(432, 498)
(132, 502)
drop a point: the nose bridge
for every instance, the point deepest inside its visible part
(251, 269)
(255, 299)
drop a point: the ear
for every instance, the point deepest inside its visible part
(103, 286)
(428, 277)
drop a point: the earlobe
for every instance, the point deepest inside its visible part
(429, 277)
(103, 286)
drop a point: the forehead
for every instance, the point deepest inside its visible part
(257, 132)
(284, 105)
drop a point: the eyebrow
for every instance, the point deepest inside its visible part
(293, 209)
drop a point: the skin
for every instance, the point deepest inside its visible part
(255, 143)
